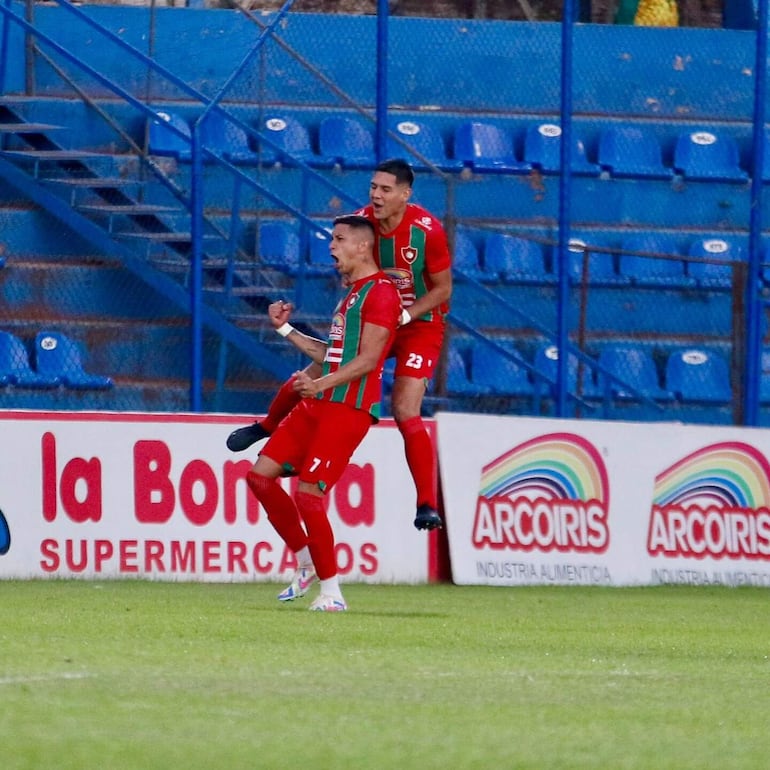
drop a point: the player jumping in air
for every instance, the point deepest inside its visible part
(336, 409)
(411, 247)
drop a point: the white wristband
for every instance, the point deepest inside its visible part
(405, 317)
(285, 330)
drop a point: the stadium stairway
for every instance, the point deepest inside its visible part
(79, 188)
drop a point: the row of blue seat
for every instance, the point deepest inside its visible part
(58, 361)
(650, 259)
(513, 259)
(692, 375)
(280, 246)
(623, 151)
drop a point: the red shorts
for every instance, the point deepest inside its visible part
(417, 348)
(317, 439)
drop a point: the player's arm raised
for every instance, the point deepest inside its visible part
(279, 314)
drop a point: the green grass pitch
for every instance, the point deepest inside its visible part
(159, 675)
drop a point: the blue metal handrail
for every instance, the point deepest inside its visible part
(562, 274)
(4, 43)
(753, 301)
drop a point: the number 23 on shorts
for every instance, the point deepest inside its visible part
(414, 361)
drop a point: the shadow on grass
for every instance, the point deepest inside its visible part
(356, 612)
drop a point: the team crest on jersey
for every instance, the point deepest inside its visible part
(409, 254)
(352, 299)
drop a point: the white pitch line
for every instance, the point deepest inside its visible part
(42, 678)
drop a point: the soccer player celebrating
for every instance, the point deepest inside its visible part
(411, 247)
(319, 436)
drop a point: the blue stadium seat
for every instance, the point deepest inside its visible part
(709, 275)
(346, 142)
(516, 260)
(169, 136)
(503, 376)
(293, 141)
(278, 246)
(388, 374)
(601, 265)
(58, 356)
(698, 375)
(465, 258)
(633, 366)
(320, 262)
(424, 139)
(542, 150)
(705, 155)
(546, 362)
(223, 137)
(15, 368)
(457, 380)
(631, 151)
(485, 147)
(652, 271)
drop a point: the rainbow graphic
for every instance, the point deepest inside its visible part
(725, 475)
(557, 466)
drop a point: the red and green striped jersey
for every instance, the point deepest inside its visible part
(410, 252)
(374, 300)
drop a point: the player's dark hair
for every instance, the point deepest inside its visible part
(356, 221)
(399, 168)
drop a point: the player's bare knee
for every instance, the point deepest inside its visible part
(404, 409)
(406, 401)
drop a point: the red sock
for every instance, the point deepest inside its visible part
(421, 460)
(280, 509)
(285, 400)
(320, 534)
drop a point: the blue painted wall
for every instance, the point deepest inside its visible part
(454, 65)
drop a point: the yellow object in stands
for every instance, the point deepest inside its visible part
(657, 13)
